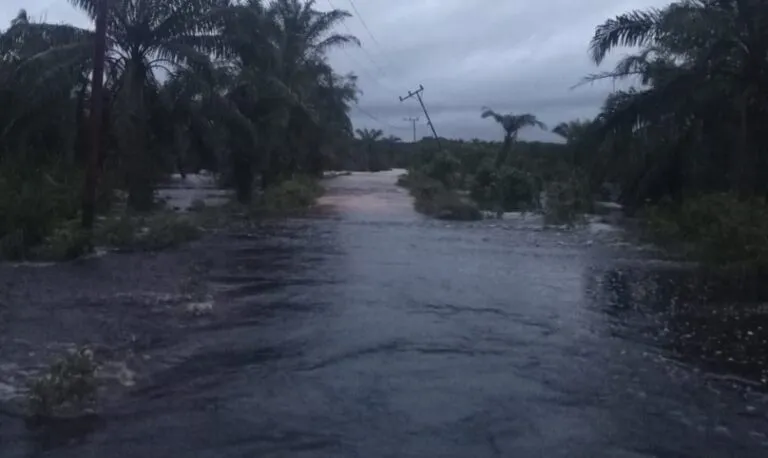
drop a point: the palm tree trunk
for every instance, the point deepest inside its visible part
(501, 159)
(243, 177)
(745, 164)
(81, 134)
(140, 175)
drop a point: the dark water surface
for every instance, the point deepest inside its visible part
(370, 331)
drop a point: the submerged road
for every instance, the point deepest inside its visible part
(367, 330)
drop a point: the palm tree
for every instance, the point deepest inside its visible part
(286, 86)
(511, 124)
(146, 38)
(369, 137)
(705, 80)
(32, 93)
(571, 131)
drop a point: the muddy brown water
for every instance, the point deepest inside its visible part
(367, 330)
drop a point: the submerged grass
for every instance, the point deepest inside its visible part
(67, 388)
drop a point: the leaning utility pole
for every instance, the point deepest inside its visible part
(413, 121)
(97, 105)
(417, 93)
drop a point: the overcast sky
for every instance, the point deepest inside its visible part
(511, 55)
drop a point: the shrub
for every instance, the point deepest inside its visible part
(516, 189)
(507, 189)
(482, 185)
(69, 384)
(718, 228)
(567, 201)
(148, 233)
(34, 201)
(167, 230)
(67, 242)
(451, 206)
(433, 199)
(443, 167)
(295, 194)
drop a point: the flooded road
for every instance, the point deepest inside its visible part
(368, 330)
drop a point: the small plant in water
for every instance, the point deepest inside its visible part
(68, 386)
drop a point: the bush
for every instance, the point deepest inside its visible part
(147, 233)
(516, 189)
(67, 242)
(34, 201)
(718, 228)
(444, 168)
(295, 194)
(69, 384)
(507, 189)
(433, 199)
(567, 201)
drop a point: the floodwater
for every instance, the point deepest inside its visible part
(367, 330)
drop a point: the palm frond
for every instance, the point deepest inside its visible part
(89, 6)
(336, 40)
(488, 113)
(637, 28)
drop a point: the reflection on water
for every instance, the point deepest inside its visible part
(369, 330)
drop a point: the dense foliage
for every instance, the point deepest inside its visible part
(690, 136)
(694, 123)
(243, 88)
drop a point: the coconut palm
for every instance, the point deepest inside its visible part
(511, 123)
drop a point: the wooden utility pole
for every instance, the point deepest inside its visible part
(413, 121)
(97, 107)
(417, 94)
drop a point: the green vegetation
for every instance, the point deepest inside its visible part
(716, 228)
(689, 142)
(68, 387)
(685, 146)
(500, 177)
(246, 92)
(432, 198)
(251, 96)
(151, 232)
(296, 194)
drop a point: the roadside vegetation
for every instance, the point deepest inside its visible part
(499, 177)
(243, 89)
(67, 388)
(686, 145)
(683, 147)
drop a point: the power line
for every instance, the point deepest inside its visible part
(366, 72)
(383, 123)
(365, 26)
(365, 51)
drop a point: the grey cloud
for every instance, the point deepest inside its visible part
(511, 55)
